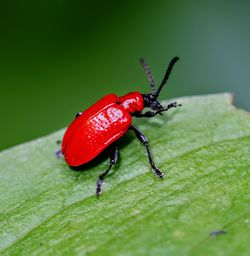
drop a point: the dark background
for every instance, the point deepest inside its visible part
(58, 57)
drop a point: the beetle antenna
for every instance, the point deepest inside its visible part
(149, 75)
(166, 76)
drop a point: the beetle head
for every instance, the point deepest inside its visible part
(150, 101)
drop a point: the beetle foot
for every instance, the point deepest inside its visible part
(158, 172)
(99, 184)
(175, 104)
(59, 154)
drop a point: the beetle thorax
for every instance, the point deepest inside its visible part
(132, 102)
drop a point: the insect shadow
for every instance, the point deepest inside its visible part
(105, 155)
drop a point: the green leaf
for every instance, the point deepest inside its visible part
(203, 149)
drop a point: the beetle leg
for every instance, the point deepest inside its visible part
(170, 105)
(59, 154)
(113, 160)
(144, 141)
(78, 114)
(146, 114)
(152, 114)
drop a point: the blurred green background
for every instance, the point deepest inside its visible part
(58, 57)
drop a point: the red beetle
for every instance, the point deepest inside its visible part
(102, 124)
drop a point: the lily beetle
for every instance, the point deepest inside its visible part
(102, 124)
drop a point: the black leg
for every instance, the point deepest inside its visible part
(144, 141)
(152, 114)
(59, 154)
(113, 160)
(78, 114)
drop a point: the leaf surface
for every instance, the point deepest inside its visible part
(203, 148)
